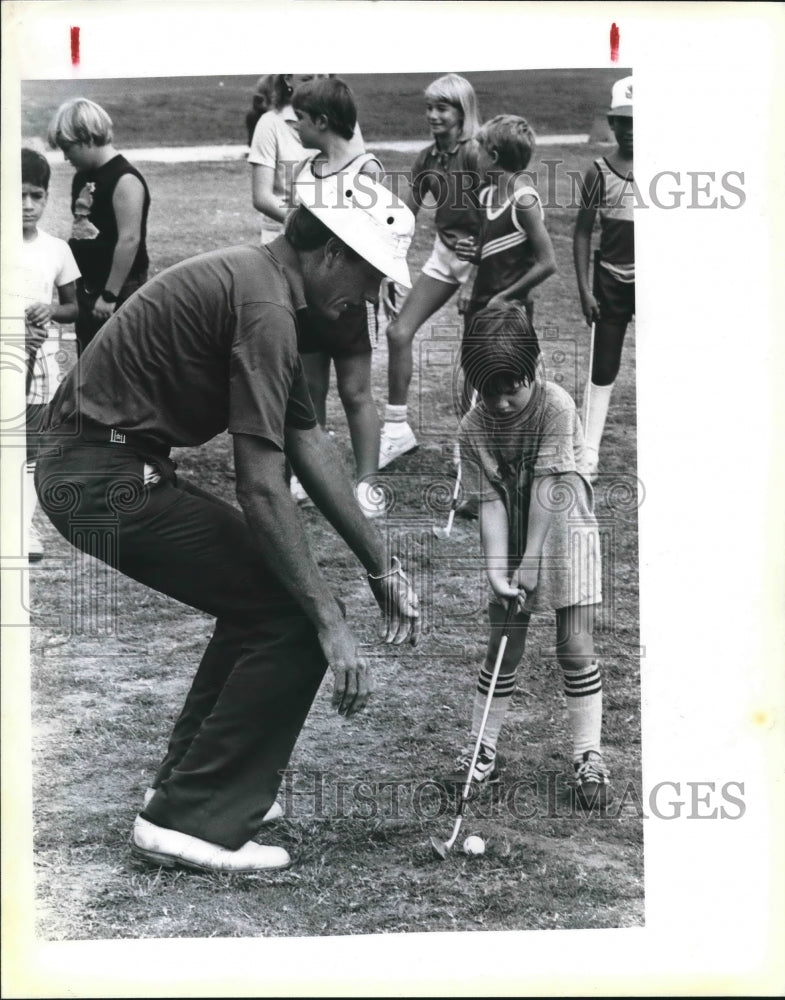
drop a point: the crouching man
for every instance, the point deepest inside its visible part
(208, 345)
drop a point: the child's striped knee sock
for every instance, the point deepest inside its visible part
(502, 695)
(584, 708)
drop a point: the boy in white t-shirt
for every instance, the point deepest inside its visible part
(44, 263)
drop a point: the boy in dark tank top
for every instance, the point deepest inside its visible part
(110, 202)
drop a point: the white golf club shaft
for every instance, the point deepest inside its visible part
(491, 690)
(494, 677)
(587, 401)
(458, 475)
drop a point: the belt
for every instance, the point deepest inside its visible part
(87, 430)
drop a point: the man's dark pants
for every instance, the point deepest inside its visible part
(263, 666)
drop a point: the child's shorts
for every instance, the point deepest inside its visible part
(343, 338)
(616, 298)
(444, 265)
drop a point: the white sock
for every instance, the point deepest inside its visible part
(502, 696)
(597, 399)
(584, 708)
(395, 419)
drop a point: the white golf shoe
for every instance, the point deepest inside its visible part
(393, 446)
(273, 813)
(169, 848)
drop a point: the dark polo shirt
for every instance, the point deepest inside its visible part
(205, 346)
(454, 180)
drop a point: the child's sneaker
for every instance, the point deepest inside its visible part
(297, 490)
(592, 466)
(592, 786)
(392, 446)
(469, 509)
(487, 767)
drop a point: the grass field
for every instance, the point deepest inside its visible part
(359, 802)
(184, 111)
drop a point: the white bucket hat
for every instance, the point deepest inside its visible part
(621, 98)
(367, 216)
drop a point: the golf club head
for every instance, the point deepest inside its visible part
(439, 848)
(446, 531)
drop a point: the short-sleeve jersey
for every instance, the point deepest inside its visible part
(513, 457)
(94, 232)
(275, 144)
(206, 346)
(41, 266)
(454, 180)
(505, 250)
(613, 196)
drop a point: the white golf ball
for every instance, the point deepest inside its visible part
(474, 845)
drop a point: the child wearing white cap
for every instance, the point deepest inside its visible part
(607, 189)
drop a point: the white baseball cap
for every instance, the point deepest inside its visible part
(621, 98)
(367, 216)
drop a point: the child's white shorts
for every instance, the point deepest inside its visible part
(444, 265)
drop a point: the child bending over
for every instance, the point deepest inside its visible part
(539, 535)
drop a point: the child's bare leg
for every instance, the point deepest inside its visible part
(426, 297)
(353, 375)
(583, 688)
(486, 761)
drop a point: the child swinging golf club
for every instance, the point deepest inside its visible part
(539, 537)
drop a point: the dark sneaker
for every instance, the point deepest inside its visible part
(592, 786)
(487, 767)
(469, 509)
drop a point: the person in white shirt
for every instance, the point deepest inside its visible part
(44, 263)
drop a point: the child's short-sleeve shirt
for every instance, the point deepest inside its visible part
(43, 265)
(514, 458)
(454, 180)
(276, 145)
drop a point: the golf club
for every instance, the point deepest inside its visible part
(447, 530)
(587, 398)
(440, 848)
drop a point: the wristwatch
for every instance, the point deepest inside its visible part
(108, 296)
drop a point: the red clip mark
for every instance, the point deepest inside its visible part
(74, 46)
(614, 43)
